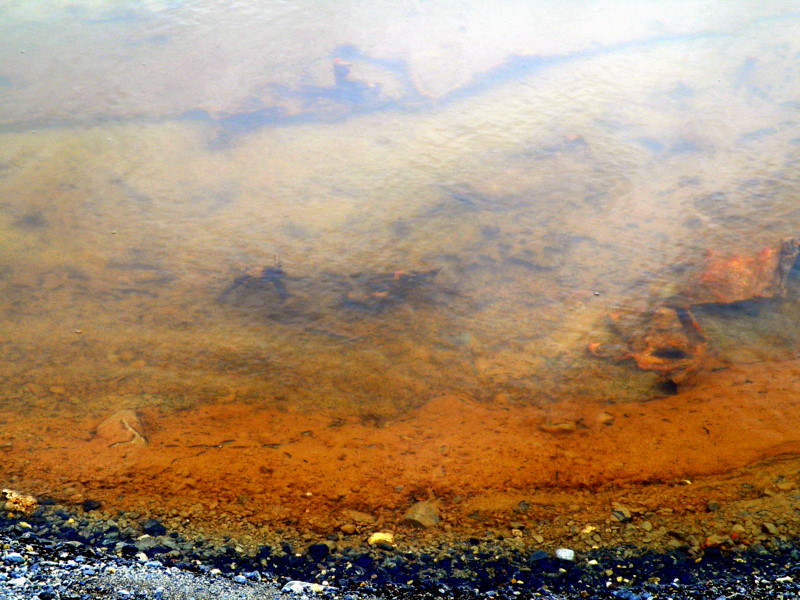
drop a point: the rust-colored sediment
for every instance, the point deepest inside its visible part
(274, 468)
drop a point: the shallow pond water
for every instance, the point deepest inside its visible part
(355, 209)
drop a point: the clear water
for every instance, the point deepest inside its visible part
(456, 209)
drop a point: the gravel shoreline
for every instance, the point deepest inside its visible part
(42, 559)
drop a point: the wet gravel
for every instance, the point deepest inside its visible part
(57, 555)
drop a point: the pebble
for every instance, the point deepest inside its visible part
(359, 516)
(621, 512)
(146, 543)
(318, 552)
(565, 554)
(559, 427)
(35, 388)
(91, 505)
(716, 540)
(16, 502)
(605, 418)
(14, 557)
(304, 587)
(423, 514)
(381, 537)
(154, 527)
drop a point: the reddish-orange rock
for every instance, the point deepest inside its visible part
(724, 280)
(672, 345)
(669, 341)
(123, 428)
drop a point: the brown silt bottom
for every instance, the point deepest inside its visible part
(265, 469)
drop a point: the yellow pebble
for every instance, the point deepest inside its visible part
(380, 536)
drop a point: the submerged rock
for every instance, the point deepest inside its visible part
(672, 345)
(122, 428)
(668, 340)
(423, 514)
(275, 294)
(729, 279)
(558, 427)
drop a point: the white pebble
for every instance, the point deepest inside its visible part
(304, 587)
(565, 554)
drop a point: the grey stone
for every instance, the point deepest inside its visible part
(145, 543)
(770, 528)
(423, 514)
(621, 512)
(168, 542)
(523, 507)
